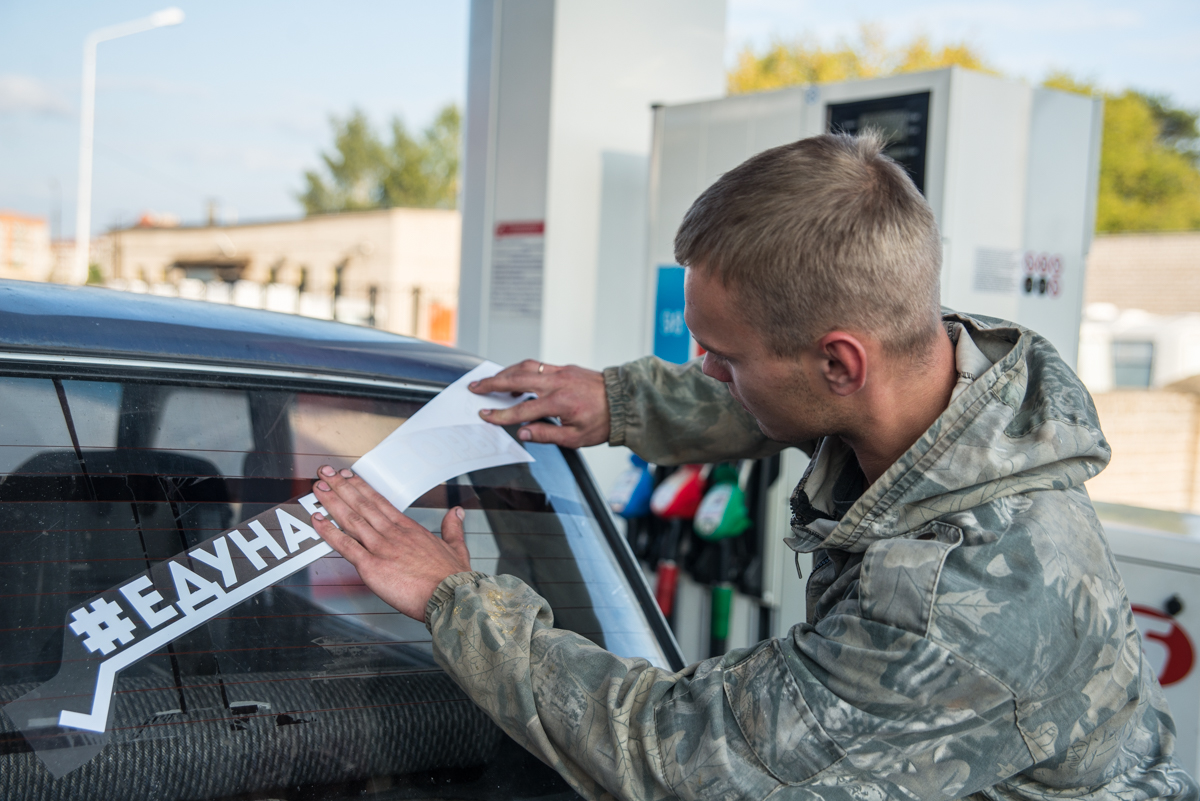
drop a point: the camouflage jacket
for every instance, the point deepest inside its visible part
(967, 632)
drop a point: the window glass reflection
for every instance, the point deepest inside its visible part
(154, 469)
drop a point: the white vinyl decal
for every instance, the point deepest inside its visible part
(100, 629)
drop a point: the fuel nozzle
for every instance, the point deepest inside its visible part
(721, 516)
(675, 500)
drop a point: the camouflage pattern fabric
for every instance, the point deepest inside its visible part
(674, 414)
(968, 633)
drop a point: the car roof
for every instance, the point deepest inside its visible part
(106, 323)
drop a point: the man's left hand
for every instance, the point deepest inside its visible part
(399, 560)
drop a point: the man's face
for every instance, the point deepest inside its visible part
(784, 394)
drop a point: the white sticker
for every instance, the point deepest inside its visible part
(997, 270)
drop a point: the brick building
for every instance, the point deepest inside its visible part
(1155, 439)
(1158, 273)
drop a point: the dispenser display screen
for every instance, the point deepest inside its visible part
(902, 119)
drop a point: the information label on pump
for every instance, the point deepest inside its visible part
(672, 341)
(518, 256)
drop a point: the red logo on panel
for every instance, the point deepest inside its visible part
(1180, 654)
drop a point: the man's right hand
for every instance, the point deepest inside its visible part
(572, 394)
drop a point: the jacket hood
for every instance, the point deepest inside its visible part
(1027, 423)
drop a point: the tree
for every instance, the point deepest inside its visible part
(1149, 176)
(808, 61)
(364, 173)
(424, 174)
(356, 167)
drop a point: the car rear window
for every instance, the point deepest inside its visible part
(314, 688)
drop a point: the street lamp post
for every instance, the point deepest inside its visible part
(87, 120)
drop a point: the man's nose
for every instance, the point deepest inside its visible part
(713, 368)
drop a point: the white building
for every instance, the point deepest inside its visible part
(25, 252)
(395, 269)
(1135, 349)
(1141, 326)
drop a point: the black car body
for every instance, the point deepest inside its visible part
(132, 428)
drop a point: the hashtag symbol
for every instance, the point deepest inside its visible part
(102, 627)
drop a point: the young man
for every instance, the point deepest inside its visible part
(967, 629)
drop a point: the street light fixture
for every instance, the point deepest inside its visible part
(87, 122)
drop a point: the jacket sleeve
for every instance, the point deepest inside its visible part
(583, 711)
(901, 717)
(675, 414)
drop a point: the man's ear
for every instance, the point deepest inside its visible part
(843, 362)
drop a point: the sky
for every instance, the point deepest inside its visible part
(1152, 45)
(234, 105)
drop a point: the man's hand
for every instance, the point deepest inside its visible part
(399, 560)
(572, 394)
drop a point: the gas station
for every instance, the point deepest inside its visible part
(256, 554)
(583, 152)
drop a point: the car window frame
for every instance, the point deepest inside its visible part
(70, 366)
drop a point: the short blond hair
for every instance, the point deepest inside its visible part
(823, 234)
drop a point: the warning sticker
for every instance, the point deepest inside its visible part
(1043, 274)
(518, 253)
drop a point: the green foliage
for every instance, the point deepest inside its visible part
(1066, 82)
(1177, 128)
(363, 172)
(1149, 176)
(424, 173)
(356, 167)
(808, 61)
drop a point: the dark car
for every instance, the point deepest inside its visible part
(135, 427)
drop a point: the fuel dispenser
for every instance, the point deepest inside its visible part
(1010, 171)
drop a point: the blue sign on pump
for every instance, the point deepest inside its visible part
(672, 341)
